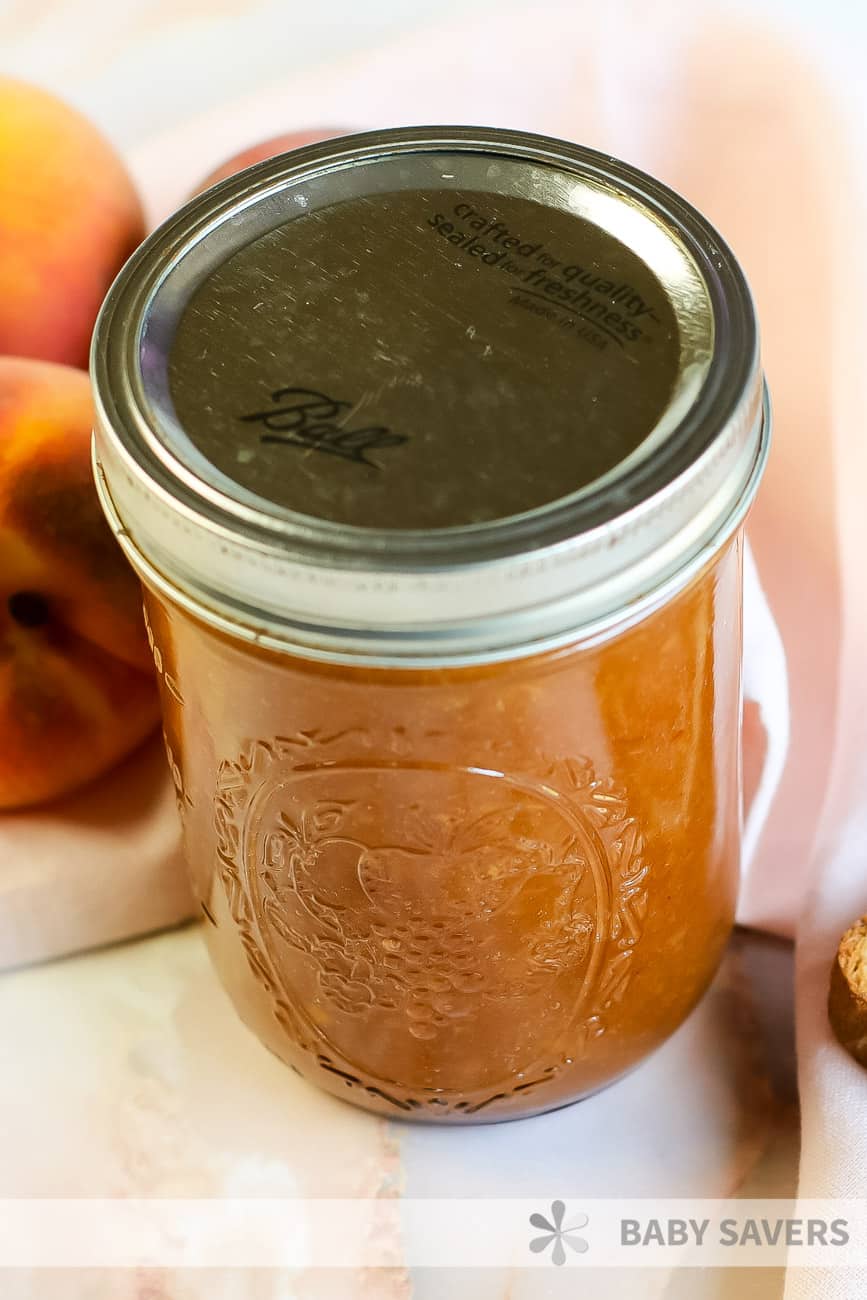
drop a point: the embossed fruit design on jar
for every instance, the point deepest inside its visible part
(446, 619)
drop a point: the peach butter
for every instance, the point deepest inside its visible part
(465, 893)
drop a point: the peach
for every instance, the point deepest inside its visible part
(269, 149)
(69, 218)
(76, 684)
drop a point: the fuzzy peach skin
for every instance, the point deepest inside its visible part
(69, 218)
(269, 149)
(76, 685)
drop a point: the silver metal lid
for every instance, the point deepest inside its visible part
(428, 394)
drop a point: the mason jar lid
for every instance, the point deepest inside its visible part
(428, 394)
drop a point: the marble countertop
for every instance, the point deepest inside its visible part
(126, 1073)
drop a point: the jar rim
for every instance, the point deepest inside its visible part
(576, 563)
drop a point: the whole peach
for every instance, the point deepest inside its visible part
(269, 149)
(69, 218)
(77, 690)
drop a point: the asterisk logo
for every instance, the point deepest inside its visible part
(557, 1234)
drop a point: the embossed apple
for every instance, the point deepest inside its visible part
(359, 909)
(76, 681)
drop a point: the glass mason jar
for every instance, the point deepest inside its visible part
(433, 449)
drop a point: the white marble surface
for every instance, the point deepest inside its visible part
(126, 1073)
